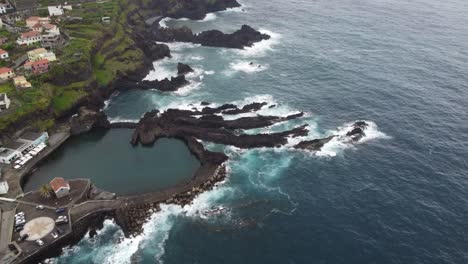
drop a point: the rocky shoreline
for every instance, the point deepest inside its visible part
(190, 126)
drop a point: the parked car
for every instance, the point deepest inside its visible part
(18, 228)
(40, 242)
(40, 207)
(23, 237)
(60, 221)
(59, 210)
(54, 235)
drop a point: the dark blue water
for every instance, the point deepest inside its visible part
(400, 196)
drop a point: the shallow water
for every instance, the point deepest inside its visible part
(398, 197)
(113, 164)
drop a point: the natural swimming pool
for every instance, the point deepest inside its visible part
(113, 164)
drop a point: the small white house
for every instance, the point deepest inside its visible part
(3, 54)
(61, 187)
(55, 10)
(7, 156)
(3, 8)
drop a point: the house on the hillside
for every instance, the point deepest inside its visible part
(37, 27)
(29, 38)
(51, 40)
(60, 186)
(40, 66)
(55, 10)
(41, 53)
(20, 82)
(4, 102)
(3, 54)
(6, 73)
(51, 29)
(33, 20)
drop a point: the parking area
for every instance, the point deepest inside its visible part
(40, 224)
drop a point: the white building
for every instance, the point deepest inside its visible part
(60, 186)
(3, 187)
(7, 156)
(33, 139)
(55, 10)
(29, 38)
(4, 102)
(3, 8)
(20, 147)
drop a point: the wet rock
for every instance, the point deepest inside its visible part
(183, 69)
(86, 120)
(244, 37)
(313, 145)
(213, 128)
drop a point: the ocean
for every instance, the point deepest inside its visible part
(399, 196)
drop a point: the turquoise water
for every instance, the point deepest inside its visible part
(399, 196)
(109, 160)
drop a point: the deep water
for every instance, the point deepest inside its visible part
(400, 196)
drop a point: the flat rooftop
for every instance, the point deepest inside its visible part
(31, 136)
(6, 152)
(14, 145)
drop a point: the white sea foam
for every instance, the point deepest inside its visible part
(196, 58)
(246, 67)
(118, 119)
(164, 68)
(162, 22)
(261, 48)
(187, 89)
(208, 17)
(341, 142)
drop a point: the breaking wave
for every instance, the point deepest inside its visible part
(340, 143)
(246, 67)
(261, 48)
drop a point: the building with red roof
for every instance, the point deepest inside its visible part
(33, 20)
(6, 73)
(29, 38)
(60, 186)
(40, 66)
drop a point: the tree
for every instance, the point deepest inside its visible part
(45, 191)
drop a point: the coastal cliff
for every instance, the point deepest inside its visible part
(100, 59)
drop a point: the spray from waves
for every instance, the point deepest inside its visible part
(167, 67)
(341, 142)
(261, 48)
(246, 67)
(164, 68)
(107, 102)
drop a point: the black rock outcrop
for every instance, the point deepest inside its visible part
(206, 125)
(244, 37)
(183, 69)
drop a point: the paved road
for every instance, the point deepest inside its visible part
(6, 229)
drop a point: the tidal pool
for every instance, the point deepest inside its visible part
(113, 164)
